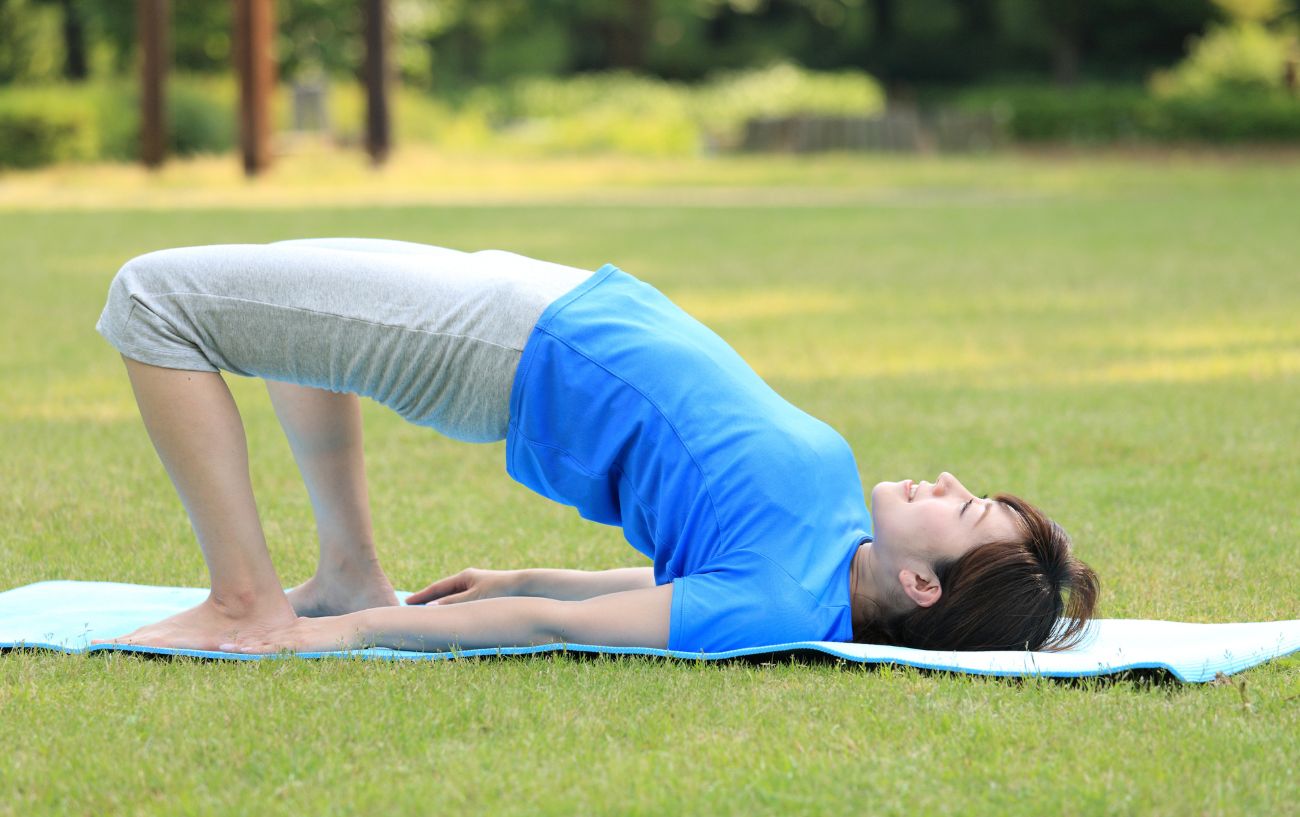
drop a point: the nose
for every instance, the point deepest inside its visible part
(948, 483)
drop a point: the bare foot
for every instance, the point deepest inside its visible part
(342, 592)
(323, 634)
(210, 627)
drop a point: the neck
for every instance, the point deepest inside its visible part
(866, 590)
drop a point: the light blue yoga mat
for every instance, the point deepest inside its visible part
(66, 616)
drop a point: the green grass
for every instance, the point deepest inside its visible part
(1116, 341)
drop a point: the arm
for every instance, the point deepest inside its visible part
(575, 585)
(473, 584)
(630, 618)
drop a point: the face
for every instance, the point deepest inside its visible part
(918, 523)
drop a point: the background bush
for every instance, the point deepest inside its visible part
(1245, 57)
(201, 116)
(608, 112)
(42, 124)
(619, 112)
(724, 104)
(1097, 114)
(614, 112)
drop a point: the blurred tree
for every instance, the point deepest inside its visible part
(36, 28)
(1254, 11)
(30, 48)
(321, 36)
(200, 35)
(980, 32)
(450, 44)
(1255, 52)
(609, 35)
(113, 25)
(1066, 20)
(882, 40)
(75, 66)
(492, 40)
(693, 38)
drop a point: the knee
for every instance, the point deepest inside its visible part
(155, 272)
(134, 282)
(142, 273)
(127, 282)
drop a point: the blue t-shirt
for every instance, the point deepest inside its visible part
(638, 415)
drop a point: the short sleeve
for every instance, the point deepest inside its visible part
(743, 600)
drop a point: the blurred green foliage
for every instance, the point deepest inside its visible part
(614, 112)
(668, 77)
(1245, 57)
(1232, 86)
(43, 124)
(449, 44)
(1103, 114)
(732, 97)
(29, 139)
(642, 115)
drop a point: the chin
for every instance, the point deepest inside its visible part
(882, 490)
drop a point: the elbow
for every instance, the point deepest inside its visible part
(567, 622)
(552, 622)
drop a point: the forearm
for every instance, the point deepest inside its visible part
(502, 622)
(575, 585)
(631, 618)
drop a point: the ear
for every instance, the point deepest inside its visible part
(922, 588)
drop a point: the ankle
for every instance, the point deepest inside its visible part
(349, 569)
(245, 603)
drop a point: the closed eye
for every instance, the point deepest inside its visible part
(967, 503)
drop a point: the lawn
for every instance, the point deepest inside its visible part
(1116, 339)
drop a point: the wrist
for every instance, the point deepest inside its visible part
(522, 582)
(354, 630)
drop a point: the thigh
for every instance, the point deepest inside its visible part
(436, 336)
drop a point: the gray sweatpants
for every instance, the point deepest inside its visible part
(434, 334)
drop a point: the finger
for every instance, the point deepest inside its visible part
(422, 596)
(463, 596)
(433, 591)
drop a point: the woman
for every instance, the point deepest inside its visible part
(610, 399)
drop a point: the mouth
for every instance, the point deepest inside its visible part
(909, 489)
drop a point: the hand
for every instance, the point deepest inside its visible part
(469, 584)
(323, 634)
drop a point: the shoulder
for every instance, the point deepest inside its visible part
(741, 600)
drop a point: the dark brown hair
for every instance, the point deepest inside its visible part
(1005, 595)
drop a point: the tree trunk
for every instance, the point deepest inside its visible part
(627, 34)
(74, 42)
(979, 17)
(152, 23)
(884, 28)
(1067, 20)
(378, 136)
(254, 35)
(1065, 57)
